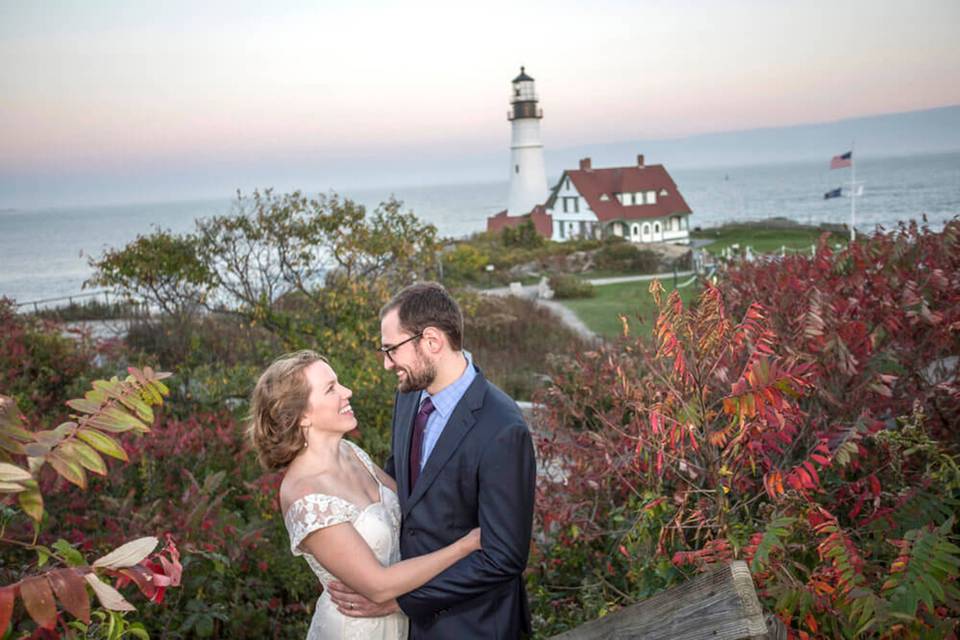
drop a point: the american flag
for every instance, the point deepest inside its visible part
(841, 161)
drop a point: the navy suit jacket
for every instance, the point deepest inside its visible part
(480, 474)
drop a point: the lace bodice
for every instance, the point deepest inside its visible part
(378, 524)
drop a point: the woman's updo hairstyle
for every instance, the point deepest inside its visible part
(277, 405)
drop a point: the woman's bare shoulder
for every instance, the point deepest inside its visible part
(301, 485)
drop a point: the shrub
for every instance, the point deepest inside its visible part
(568, 286)
(804, 434)
(525, 236)
(464, 263)
(40, 367)
(624, 256)
(513, 340)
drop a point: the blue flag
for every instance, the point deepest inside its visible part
(833, 194)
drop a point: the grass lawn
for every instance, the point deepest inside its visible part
(601, 313)
(763, 240)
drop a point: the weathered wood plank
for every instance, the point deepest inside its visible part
(719, 605)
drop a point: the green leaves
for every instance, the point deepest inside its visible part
(102, 443)
(773, 538)
(925, 572)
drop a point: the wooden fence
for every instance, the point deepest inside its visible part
(721, 604)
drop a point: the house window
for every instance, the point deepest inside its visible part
(560, 229)
(663, 192)
(638, 197)
(566, 183)
(619, 197)
(571, 204)
(516, 168)
(635, 232)
(656, 227)
(651, 197)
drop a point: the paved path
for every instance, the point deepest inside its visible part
(530, 290)
(566, 315)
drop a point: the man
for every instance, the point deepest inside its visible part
(462, 457)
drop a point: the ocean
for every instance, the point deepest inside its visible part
(44, 252)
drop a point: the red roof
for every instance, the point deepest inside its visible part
(542, 221)
(595, 183)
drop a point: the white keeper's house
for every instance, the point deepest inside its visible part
(640, 203)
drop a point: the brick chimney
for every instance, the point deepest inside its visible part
(640, 160)
(585, 164)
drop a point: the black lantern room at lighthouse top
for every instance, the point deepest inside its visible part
(524, 99)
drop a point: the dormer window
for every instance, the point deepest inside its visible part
(663, 192)
(651, 197)
(604, 197)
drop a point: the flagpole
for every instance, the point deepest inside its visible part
(853, 195)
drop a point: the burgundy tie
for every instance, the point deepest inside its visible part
(419, 424)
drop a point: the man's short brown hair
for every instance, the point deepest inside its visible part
(428, 304)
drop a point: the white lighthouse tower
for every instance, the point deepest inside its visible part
(528, 178)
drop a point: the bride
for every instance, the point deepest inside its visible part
(341, 511)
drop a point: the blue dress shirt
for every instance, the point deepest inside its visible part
(444, 403)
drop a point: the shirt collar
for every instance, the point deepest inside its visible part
(445, 401)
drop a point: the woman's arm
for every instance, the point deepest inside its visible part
(345, 554)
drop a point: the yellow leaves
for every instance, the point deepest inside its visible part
(102, 443)
(73, 448)
(31, 500)
(70, 469)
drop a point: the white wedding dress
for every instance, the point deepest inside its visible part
(379, 525)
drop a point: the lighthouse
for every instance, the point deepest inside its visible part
(528, 178)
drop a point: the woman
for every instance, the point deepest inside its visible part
(341, 511)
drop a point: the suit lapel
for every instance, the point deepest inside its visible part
(406, 411)
(461, 421)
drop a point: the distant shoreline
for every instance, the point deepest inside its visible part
(399, 189)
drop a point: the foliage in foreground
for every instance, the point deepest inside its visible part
(72, 450)
(811, 434)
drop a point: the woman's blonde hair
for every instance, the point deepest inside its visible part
(277, 405)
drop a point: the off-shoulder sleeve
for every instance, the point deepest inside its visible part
(315, 511)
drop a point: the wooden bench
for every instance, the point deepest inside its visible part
(721, 604)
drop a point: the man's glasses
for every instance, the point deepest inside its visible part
(387, 351)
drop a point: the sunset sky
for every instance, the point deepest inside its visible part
(104, 100)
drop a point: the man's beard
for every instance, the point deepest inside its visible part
(417, 379)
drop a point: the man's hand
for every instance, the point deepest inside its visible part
(351, 603)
